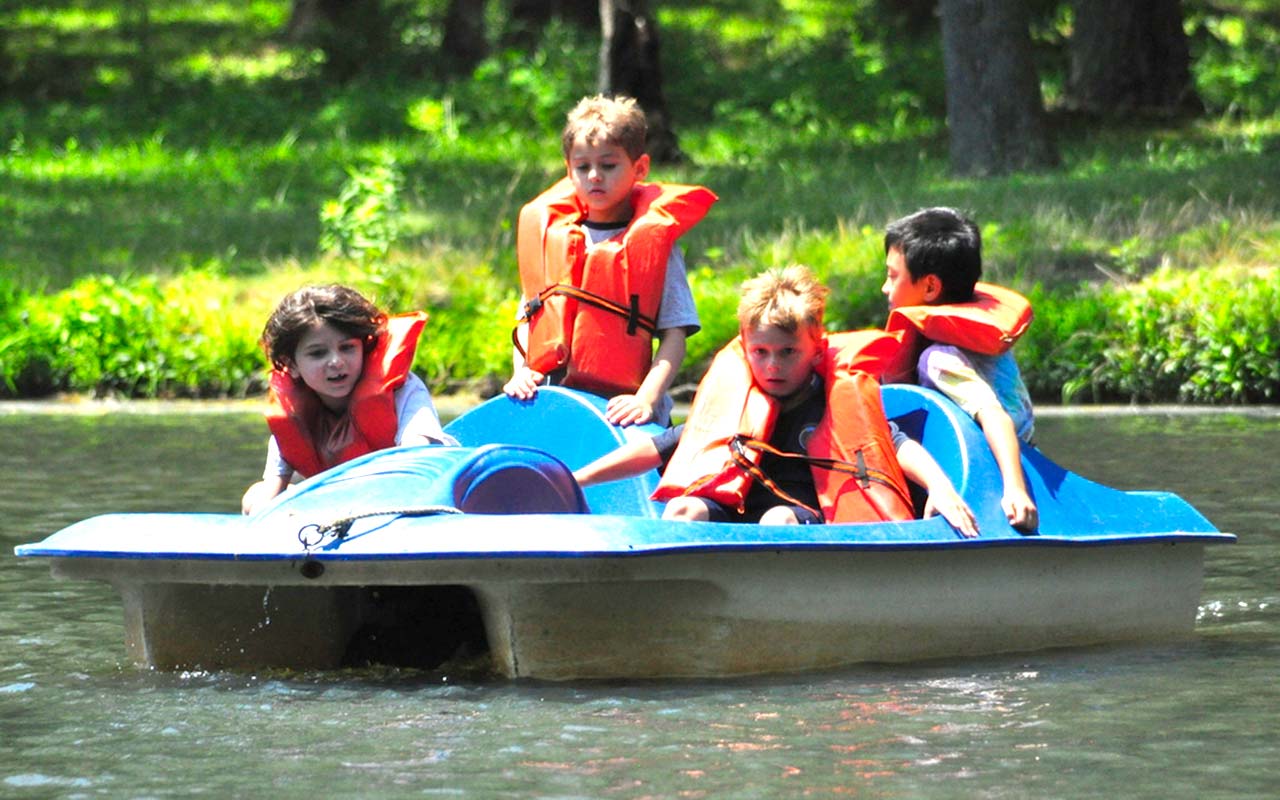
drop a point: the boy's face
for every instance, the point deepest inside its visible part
(329, 362)
(602, 176)
(901, 290)
(782, 362)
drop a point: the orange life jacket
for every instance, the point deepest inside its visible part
(595, 312)
(989, 324)
(851, 454)
(294, 408)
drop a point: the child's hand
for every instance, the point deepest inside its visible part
(1021, 511)
(627, 409)
(524, 384)
(254, 498)
(954, 510)
(258, 495)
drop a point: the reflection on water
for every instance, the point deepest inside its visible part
(1191, 719)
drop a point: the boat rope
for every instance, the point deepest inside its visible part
(312, 534)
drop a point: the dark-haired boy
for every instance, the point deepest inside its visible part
(933, 261)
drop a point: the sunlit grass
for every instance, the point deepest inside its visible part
(65, 19)
(215, 183)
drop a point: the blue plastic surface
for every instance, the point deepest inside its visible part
(513, 484)
(571, 425)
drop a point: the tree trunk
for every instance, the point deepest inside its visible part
(138, 25)
(1130, 55)
(629, 65)
(529, 17)
(994, 109)
(536, 13)
(464, 44)
(352, 34)
(914, 17)
(304, 19)
(6, 63)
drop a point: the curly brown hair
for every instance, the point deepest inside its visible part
(340, 306)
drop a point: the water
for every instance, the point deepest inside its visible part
(1195, 719)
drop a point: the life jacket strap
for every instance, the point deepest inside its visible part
(738, 446)
(741, 443)
(630, 312)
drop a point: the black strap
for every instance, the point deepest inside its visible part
(741, 442)
(630, 312)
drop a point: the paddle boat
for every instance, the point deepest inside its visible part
(416, 555)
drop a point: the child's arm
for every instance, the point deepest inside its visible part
(417, 421)
(636, 409)
(259, 494)
(524, 381)
(950, 371)
(920, 467)
(632, 458)
(1001, 435)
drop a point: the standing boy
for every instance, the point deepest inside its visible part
(962, 331)
(600, 271)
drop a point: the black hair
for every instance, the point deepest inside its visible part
(939, 241)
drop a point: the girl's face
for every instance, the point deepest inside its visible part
(602, 176)
(781, 361)
(329, 362)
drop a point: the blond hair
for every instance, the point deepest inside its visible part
(601, 120)
(789, 298)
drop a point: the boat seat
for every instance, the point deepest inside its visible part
(516, 480)
(571, 426)
(493, 479)
(957, 443)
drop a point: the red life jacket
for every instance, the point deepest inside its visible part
(989, 324)
(595, 312)
(294, 408)
(851, 454)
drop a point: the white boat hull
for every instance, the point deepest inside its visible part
(675, 615)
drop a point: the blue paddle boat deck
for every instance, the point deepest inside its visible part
(414, 554)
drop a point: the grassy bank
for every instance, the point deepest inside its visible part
(148, 229)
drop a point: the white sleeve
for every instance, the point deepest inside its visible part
(276, 466)
(418, 421)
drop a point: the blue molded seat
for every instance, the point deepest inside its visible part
(494, 479)
(571, 426)
(501, 479)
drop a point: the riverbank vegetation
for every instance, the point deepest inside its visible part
(155, 201)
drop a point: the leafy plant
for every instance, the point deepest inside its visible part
(366, 217)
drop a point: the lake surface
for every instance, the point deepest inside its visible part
(1193, 719)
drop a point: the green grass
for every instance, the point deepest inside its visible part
(207, 159)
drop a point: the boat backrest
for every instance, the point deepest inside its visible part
(494, 479)
(502, 479)
(1069, 505)
(956, 442)
(571, 426)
